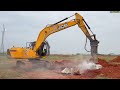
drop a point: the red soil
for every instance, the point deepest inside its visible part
(109, 70)
(116, 59)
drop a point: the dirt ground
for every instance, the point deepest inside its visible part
(110, 70)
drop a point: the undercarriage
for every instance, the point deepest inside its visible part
(35, 64)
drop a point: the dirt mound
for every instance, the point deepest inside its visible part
(102, 62)
(105, 63)
(116, 59)
(63, 63)
(109, 70)
(92, 73)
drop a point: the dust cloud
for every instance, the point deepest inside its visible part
(82, 65)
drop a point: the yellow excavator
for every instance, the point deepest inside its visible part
(34, 51)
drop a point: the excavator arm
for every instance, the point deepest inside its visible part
(48, 30)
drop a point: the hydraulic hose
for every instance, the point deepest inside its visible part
(86, 45)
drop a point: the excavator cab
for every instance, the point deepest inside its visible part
(30, 44)
(43, 50)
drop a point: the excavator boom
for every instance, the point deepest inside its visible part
(61, 26)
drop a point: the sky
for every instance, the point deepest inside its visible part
(25, 26)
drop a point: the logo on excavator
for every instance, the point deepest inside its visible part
(59, 27)
(63, 26)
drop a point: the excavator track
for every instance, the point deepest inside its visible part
(41, 64)
(36, 63)
(20, 64)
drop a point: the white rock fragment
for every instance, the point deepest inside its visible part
(81, 68)
(66, 71)
(98, 66)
